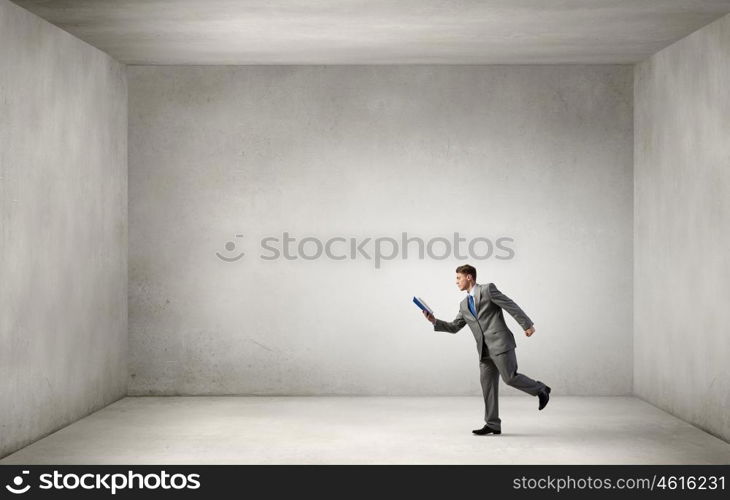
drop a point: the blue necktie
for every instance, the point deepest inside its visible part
(472, 308)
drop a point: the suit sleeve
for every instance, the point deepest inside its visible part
(509, 305)
(453, 327)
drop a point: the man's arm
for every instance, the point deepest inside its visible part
(509, 305)
(443, 326)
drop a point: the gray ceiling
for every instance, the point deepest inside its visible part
(379, 31)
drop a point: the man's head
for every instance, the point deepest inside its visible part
(466, 276)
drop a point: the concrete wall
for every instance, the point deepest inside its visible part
(63, 228)
(540, 154)
(682, 215)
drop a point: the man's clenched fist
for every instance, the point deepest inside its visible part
(429, 316)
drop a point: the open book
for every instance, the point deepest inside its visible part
(420, 303)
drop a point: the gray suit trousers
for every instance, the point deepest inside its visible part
(491, 367)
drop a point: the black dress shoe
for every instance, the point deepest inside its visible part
(544, 397)
(485, 430)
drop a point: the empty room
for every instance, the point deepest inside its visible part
(364, 232)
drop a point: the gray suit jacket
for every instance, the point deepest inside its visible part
(488, 326)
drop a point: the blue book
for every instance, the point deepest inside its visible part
(420, 303)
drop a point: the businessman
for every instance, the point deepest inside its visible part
(481, 309)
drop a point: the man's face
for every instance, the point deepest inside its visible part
(464, 281)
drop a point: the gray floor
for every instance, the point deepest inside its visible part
(364, 430)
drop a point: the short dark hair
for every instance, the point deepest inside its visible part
(467, 269)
